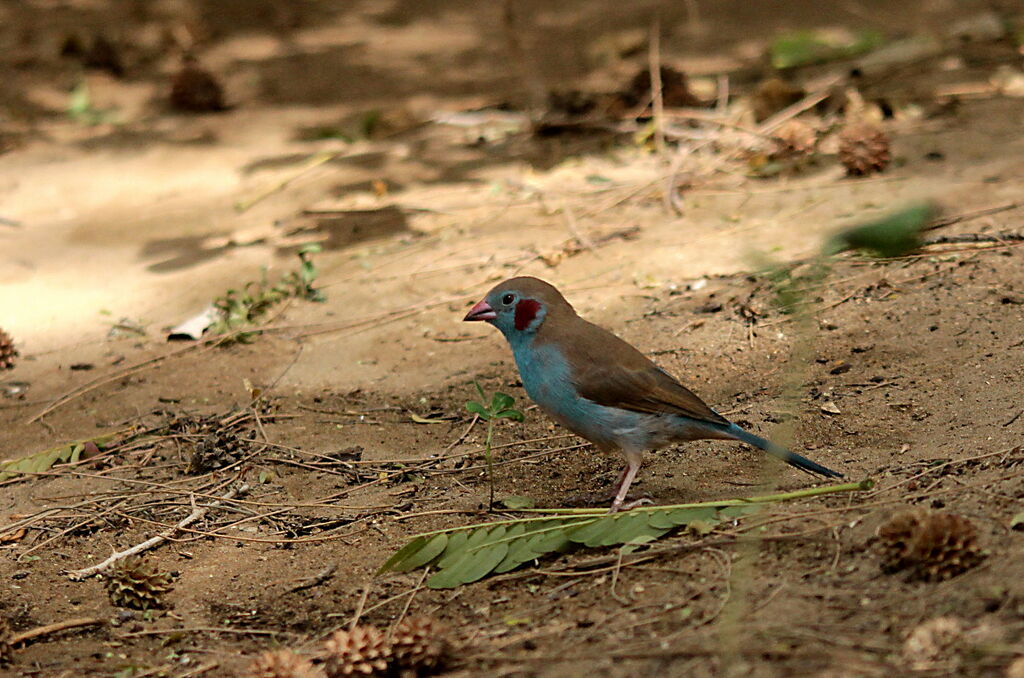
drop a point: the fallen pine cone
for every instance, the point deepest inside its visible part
(864, 149)
(934, 644)
(794, 140)
(195, 89)
(7, 351)
(137, 583)
(931, 546)
(283, 664)
(363, 651)
(420, 644)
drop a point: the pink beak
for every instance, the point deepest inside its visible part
(482, 311)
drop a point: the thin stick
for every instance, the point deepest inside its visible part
(46, 630)
(359, 607)
(966, 216)
(203, 629)
(196, 514)
(317, 160)
(408, 603)
(799, 107)
(654, 63)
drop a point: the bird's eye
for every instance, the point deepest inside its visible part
(508, 298)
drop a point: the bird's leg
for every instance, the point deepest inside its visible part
(628, 474)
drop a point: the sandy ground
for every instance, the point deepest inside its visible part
(908, 370)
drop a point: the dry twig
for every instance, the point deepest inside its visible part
(197, 513)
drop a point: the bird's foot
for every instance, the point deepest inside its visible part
(627, 505)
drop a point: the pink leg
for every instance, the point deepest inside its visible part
(628, 474)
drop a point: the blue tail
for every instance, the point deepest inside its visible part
(791, 458)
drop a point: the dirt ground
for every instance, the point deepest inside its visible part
(347, 124)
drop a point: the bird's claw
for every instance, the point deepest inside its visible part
(626, 506)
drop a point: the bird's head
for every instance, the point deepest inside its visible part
(519, 306)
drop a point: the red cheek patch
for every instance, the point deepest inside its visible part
(526, 311)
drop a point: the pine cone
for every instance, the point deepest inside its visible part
(214, 451)
(134, 582)
(934, 644)
(864, 149)
(796, 139)
(7, 351)
(931, 546)
(6, 648)
(283, 664)
(363, 651)
(194, 89)
(420, 644)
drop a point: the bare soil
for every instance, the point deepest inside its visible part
(907, 371)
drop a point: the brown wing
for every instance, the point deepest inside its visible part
(610, 372)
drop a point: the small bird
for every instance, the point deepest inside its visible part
(602, 388)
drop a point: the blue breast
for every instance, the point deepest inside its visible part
(547, 380)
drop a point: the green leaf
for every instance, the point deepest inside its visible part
(80, 100)
(480, 390)
(740, 511)
(45, 460)
(801, 48)
(892, 236)
(634, 544)
(478, 409)
(515, 550)
(514, 415)
(678, 517)
(454, 549)
(417, 553)
(465, 555)
(517, 501)
(473, 565)
(501, 401)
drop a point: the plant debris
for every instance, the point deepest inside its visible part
(8, 351)
(929, 545)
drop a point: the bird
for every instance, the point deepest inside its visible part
(602, 388)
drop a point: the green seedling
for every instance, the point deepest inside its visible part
(239, 308)
(500, 407)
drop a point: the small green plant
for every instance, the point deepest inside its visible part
(500, 408)
(240, 308)
(893, 235)
(81, 108)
